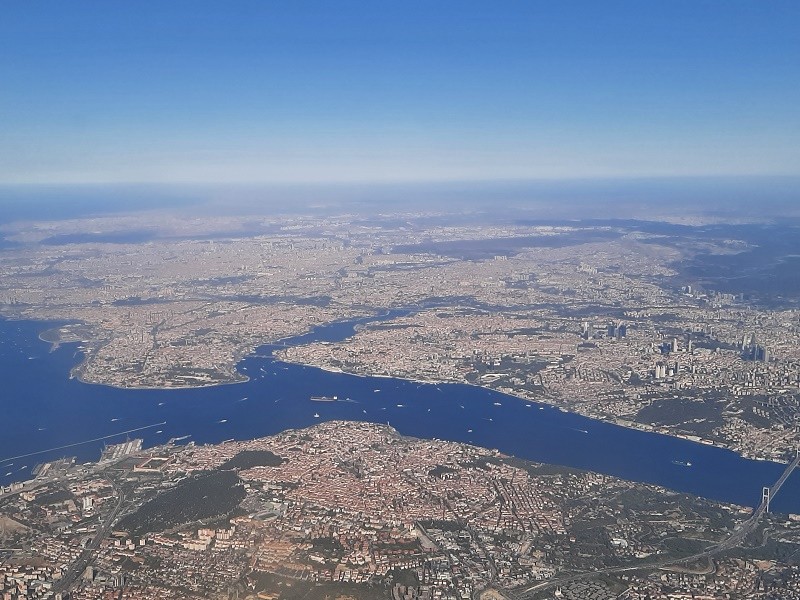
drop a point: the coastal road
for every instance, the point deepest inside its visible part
(735, 539)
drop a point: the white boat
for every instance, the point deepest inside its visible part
(316, 415)
(223, 421)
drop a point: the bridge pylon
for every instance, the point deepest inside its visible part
(765, 498)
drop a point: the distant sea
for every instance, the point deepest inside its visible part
(42, 410)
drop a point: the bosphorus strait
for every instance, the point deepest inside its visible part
(277, 397)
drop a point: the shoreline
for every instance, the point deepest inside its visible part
(643, 427)
(75, 372)
(451, 394)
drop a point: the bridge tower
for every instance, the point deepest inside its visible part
(765, 498)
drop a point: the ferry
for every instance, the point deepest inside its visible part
(324, 398)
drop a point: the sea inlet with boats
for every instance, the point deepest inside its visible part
(47, 415)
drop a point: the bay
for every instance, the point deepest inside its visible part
(41, 408)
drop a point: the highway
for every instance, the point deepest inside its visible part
(736, 538)
(86, 557)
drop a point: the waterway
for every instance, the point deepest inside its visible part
(41, 408)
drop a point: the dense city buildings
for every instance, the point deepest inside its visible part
(356, 510)
(618, 321)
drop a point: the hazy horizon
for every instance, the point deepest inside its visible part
(637, 198)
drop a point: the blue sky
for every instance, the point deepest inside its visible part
(175, 91)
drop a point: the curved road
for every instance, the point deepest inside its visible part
(736, 538)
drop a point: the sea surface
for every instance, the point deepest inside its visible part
(46, 415)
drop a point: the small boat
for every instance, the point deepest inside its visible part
(324, 398)
(222, 421)
(8, 474)
(469, 430)
(399, 406)
(159, 431)
(682, 463)
(365, 412)
(114, 420)
(498, 404)
(161, 404)
(316, 415)
(42, 429)
(376, 391)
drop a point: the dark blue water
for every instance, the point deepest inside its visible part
(41, 408)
